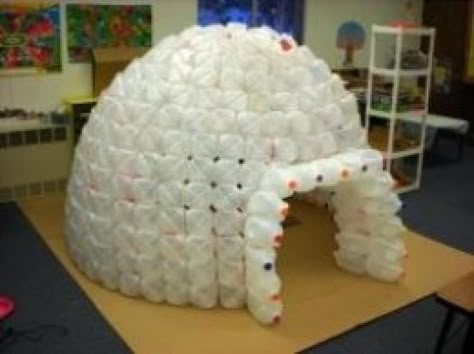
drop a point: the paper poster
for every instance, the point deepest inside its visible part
(94, 26)
(30, 37)
(350, 38)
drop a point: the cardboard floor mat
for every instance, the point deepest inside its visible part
(313, 289)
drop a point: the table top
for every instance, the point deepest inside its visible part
(320, 300)
(437, 121)
(460, 293)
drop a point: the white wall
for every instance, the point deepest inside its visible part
(45, 92)
(322, 18)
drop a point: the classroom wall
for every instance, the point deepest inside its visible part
(322, 18)
(45, 92)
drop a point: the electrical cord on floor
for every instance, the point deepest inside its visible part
(10, 336)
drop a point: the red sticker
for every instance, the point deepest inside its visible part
(285, 45)
(292, 185)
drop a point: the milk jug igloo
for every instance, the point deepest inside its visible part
(179, 180)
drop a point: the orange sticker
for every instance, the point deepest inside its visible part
(276, 297)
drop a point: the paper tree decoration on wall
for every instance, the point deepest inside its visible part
(179, 179)
(350, 37)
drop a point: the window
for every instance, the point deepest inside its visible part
(285, 16)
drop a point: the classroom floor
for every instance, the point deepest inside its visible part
(314, 288)
(403, 331)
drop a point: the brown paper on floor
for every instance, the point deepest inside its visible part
(320, 300)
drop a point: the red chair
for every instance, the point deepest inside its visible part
(6, 308)
(9, 335)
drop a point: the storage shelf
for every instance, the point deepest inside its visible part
(401, 72)
(392, 145)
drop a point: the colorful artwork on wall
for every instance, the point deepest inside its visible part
(30, 38)
(92, 26)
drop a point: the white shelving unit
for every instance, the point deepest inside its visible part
(395, 74)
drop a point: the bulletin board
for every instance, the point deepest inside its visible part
(30, 37)
(470, 52)
(95, 26)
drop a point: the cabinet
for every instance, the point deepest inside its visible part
(454, 23)
(34, 157)
(398, 90)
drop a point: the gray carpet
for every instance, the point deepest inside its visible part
(56, 315)
(45, 294)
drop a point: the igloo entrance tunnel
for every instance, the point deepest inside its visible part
(179, 179)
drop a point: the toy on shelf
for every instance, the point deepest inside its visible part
(409, 99)
(180, 179)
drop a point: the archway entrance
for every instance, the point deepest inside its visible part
(355, 187)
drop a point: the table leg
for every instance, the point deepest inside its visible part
(5, 334)
(435, 143)
(469, 341)
(448, 320)
(462, 142)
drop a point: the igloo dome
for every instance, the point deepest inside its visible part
(179, 180)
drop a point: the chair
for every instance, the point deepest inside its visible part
(457, 297)
(6, 308)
